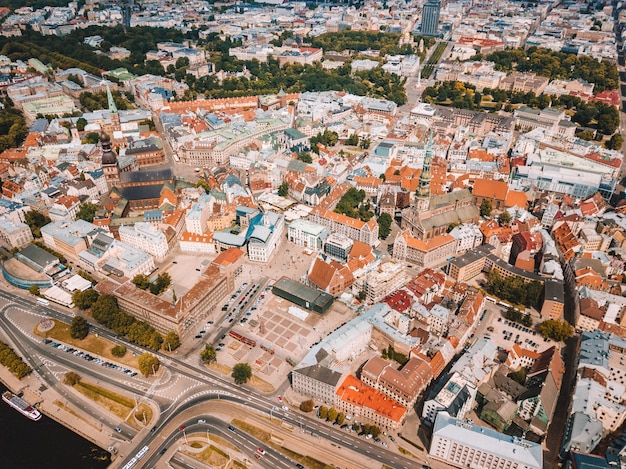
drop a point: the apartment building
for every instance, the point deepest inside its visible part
(432, 252)
(198, 214)
(67, 238)
(14, 235)
(459, 443)
(146, 237)
(403, 385)
(366, 232)
(366, 405)
(379, 283)
(316, 381)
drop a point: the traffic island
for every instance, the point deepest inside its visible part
(214, 451)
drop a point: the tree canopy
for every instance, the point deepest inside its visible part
(556, 64)
(148, 364)
(171, 342)
(208, 355)
(384, 225)
(352, 205)
(514, 289)
(35, 221)
(13, 128)
(79, 328)
(241, 373)
(283, 189)
(555, 330)
(87, 212)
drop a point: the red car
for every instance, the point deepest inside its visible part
(182, 428)
(261, 451)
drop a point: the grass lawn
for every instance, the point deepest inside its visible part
(261, 385)
(252, 430)
(266, 437)
(91, 344)
(223, 369)
(143, 412)
(115, 403)
(406, 452)
(221, 442)
(213, 456)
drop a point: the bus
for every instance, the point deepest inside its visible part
(43, 301)
(140, 454)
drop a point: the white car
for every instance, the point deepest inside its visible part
(285, 407)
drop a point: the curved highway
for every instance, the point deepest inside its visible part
(212, 387)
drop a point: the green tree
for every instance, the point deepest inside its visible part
(555, 330)
(172, 341)
(86, 276)
(341, 417)
(118, 351)
(323, 412)
(141, 281)
(305, 157)
(361, 295)
(34, 290)
(332, 414)
(161, 283)
(35, 220)
(384, 225)
(241, 373)
(87, 212)
(208, 355)
(375, 431)
(79, 328)
(148, 364)
(353, 140)
(81, 123)
(85, 299)
(486, 207)
(504, 218)
(615, 142)
(518, 376)
(105, 310)
(91, 137)
(283, 189)
(307, 406)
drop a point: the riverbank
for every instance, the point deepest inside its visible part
(58, 446)
(53, 405)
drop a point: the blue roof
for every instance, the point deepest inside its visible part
(229, 239)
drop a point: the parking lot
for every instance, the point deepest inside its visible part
(505, 334)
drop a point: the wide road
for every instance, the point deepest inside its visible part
(217, 386)
(245, 443)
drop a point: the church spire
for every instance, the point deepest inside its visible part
(423, 188)
(424, 183)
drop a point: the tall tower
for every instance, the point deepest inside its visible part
(113, 114)
(110, 167)
(430, 18)
(422, 201)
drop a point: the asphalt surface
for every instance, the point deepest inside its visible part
(213, 387)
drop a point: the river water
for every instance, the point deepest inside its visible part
(25, 444)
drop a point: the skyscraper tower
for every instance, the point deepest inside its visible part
(422, 201)
(430, 18)
(113, 114)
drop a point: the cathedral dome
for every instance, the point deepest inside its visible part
(108, 155)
